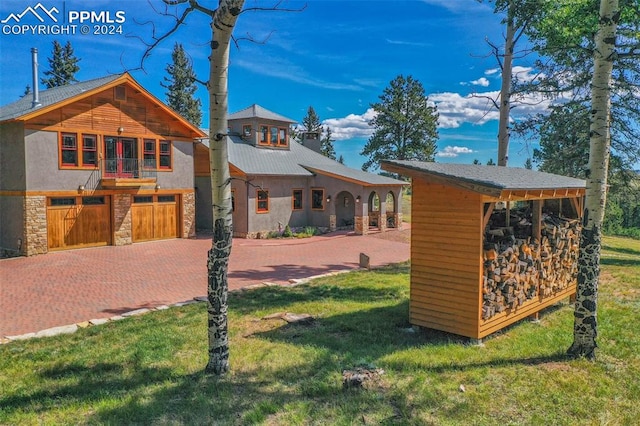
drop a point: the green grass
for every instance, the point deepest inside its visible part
(406, 207)
(148, 369)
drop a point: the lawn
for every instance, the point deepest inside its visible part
(148, 369)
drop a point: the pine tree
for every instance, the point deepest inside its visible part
(63, 66)
(490, 162)
(311, 121)
(181, 86)
(326, 145)
(528, 164)
(405, 124)
(341, 159)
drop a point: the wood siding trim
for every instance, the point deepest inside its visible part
(446, 258)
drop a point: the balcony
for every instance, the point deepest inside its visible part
(127, 172)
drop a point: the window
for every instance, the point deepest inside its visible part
(262, 201)
(273, 135)
(297, 199)
(246, 130)
(264, 131)
(75, 154)
(92, 201)
(140, 199)
(149, 153)
(317, 199)
(67, 201)
(282, 136)
(89, 150)
(69, 149)
(166, 198)
(165, 155)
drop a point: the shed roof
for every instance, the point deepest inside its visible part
(484, 179)
(296, 161)
(256, 111)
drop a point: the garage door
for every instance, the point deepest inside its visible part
(78, 222)
(154, 217)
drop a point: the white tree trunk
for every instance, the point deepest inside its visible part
(585, 314)
(222, 26)
(505, 90)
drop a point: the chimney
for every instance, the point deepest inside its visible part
(36, 91)
(311, 140)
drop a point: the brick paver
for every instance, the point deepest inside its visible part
(68, 287)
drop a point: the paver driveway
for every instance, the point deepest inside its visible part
(68, 287)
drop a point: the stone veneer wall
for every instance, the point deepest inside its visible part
(189, 215)
(122, 219)
(362, 225)
(35, 225)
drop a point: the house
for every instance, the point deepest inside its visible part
(489, 245)
(277, 181)
(101, 162)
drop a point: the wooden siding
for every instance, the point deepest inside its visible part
(79, 225)
(446, 258)
(102, 114)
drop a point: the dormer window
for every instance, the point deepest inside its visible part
(246, 131)
(274, 136)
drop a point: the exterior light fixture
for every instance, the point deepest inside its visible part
(358, 199)
(120, 130)
(328, 198)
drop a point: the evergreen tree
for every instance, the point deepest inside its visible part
(528, 164)
(490, 162)
(27, 91)
(326, 144)
(341, 159)
(476, 161)
(181, 86)
(405, 124)
(311, 121)
(63, 66)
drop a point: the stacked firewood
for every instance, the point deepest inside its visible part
(520, 269)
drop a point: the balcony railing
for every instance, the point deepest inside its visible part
(128, 168)
(127, 172)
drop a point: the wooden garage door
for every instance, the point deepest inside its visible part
(78, 222)
(154, 217)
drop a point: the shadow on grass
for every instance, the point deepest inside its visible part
(268, 298)
(604, 260)
(623, 250)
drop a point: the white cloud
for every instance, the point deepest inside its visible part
(351, 126)
(456, 109)
(480, 82)
(492, 71)
(454, 151)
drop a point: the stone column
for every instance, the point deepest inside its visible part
(398, 219)
(35, 225)
(361, 225)
(188, 215)
(332, 222)
(122, 232)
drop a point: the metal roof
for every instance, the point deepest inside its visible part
(494, 177)
(256, 111)
(51, 96)
(298, 160)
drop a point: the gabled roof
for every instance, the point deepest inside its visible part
(51, 96)
(485, 179)
(57, 97)
(296, 161)
(256, 111)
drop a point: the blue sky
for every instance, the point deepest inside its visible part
(337, 56)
